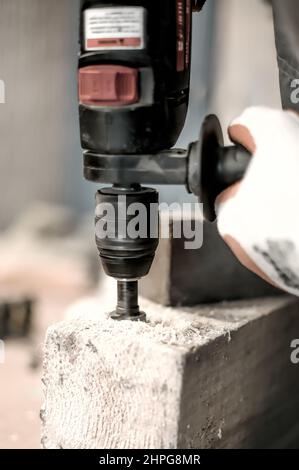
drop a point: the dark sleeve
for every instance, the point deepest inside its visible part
(286, 23)
(198, 4)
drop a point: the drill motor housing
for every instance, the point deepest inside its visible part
(138, 53)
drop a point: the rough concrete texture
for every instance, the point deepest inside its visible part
(210, 377)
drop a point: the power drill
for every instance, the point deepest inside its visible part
(134, 80)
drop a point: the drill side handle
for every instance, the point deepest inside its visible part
(207, 168)
(233, 164)
(213, 167)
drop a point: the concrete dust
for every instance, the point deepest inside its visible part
(179, 327)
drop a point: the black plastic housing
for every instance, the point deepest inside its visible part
(124, 257)
(156, 121)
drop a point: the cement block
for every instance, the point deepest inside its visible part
(208, 377)
(208, 274)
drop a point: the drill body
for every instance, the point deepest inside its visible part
(134, 74)
(134, 79)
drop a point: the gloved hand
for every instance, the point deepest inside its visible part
(259, 217)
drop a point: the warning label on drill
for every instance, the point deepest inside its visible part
(114, 28)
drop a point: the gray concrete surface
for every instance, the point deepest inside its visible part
(208, 377)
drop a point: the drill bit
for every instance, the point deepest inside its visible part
(127, 302)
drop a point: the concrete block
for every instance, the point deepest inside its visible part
(209, 377)
(209, 274)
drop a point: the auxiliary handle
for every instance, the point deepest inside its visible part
(212, 167)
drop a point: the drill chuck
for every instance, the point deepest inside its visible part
(127, 230)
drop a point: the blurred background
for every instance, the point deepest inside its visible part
(47, 253)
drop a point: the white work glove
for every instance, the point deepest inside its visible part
(259, 217)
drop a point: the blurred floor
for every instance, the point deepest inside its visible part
(20, 389)
(47, 256)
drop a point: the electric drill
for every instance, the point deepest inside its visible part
(134, 79)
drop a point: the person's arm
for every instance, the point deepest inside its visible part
(286, 25)
(259, 217)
